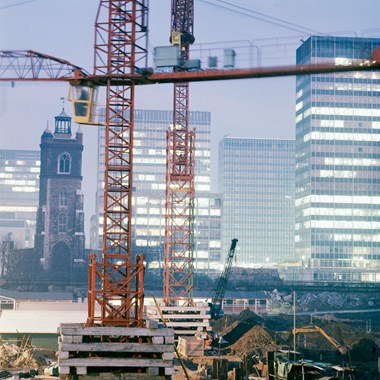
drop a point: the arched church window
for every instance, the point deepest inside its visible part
(62, 223)
(63, 197)
(64, 163)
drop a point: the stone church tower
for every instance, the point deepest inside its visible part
(60, 239)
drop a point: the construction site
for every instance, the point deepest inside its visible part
(177, 336)
(337, 336)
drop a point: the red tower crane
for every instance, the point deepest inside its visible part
(120, 47)
(180, 191)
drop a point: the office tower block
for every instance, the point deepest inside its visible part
(338, 162)
(149, 181)
(19, 187)
(256, 178)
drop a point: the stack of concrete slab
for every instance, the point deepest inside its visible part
(115, 352)
(185, 320)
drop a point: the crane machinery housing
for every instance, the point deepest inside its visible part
(221, 285)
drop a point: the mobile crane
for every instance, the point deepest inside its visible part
(221, 286)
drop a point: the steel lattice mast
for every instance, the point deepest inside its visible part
(180, 192)
(120, 47)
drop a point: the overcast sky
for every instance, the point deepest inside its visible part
(244, 108)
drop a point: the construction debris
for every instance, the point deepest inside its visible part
(282, 302)
(17, 356)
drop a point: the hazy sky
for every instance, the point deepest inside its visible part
(250, 108)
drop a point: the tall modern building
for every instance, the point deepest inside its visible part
(256, 178)
(19, 189)
(149, 181)
(338, 162)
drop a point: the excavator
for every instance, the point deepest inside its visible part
(313, 328)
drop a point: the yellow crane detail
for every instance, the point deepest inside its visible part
(313, 328)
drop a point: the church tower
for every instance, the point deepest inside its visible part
(60, 236)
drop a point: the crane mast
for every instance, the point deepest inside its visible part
(116, 285)
(180, 191)
(221, 285)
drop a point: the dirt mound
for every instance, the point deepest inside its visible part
(366, 350)
(255, 341)
(244, 322)
(236, 331)
(221, 324)
(250, 317)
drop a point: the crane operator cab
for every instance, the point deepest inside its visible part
(84, 100)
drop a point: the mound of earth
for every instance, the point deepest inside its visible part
(244, 322)
(255, 341)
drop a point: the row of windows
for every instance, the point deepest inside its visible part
(341, 256)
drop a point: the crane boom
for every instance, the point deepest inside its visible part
(314, 328)
(221, 285)
(26, 65)
(30, 65)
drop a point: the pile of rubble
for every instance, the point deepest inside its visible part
(280, 302)
(17, 356)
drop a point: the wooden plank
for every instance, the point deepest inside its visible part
(187, 332)
(181, 309)
(114, 362)
(119, 376)
(81, 370)
(187, 316)
(115, 331)
(116, 347)
(186, 324)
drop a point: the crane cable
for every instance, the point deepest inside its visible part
(259, 16)
(17, 4)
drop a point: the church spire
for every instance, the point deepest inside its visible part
(62, 123)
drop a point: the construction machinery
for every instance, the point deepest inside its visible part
(221, 285)
(313, 328)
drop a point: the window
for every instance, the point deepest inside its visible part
(63, 197)
(62, 223)
(64, 163)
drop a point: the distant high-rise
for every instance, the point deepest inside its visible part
(149, 181)
(19, 187)
(256, 178)
(338, 162)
